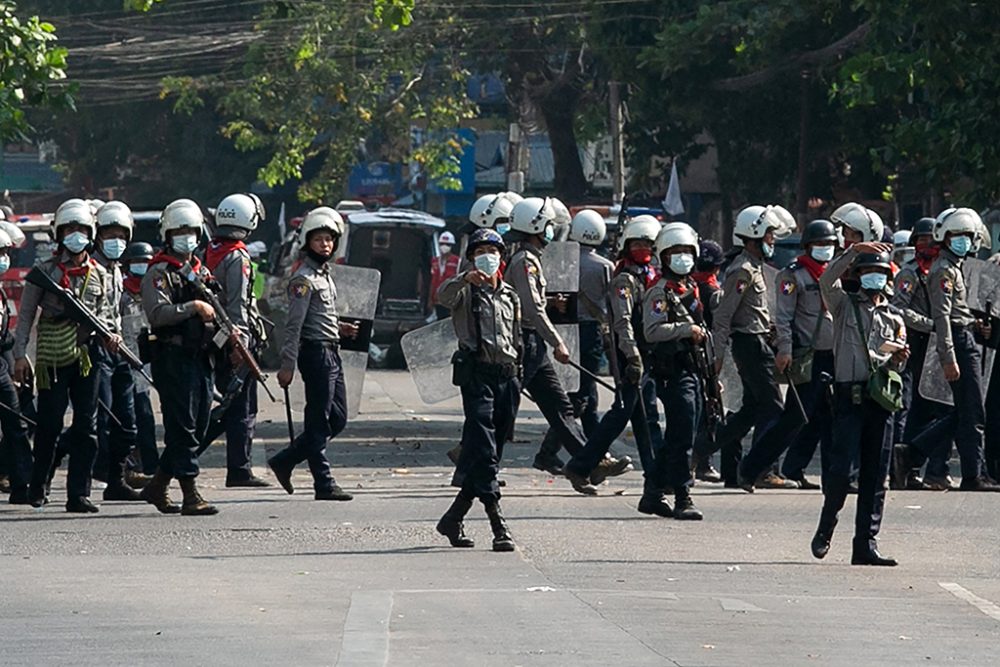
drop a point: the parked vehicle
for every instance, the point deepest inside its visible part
(38, 245)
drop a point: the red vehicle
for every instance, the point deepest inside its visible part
(38, 245)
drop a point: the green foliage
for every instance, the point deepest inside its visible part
(31, 65)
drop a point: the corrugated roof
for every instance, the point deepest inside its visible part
(491, 154)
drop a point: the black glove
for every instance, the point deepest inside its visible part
(633, 370)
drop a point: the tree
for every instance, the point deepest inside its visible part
(31, 65)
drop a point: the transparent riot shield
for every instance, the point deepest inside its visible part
(561, 266)
(428, 351)
(357, 298)
(771, 281)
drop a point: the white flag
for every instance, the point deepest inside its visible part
(672, 203)
(281, 221)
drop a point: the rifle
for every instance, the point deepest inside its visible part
(26, 420)
(711, 391)
(79, 313)
(228, 332)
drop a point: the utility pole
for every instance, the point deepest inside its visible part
(515, 166)
(617, 146)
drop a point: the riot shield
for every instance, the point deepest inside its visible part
(357, 298)
(428, 351)
(561, 265)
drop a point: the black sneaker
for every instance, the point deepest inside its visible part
(334, 493)
(656, 505)
(553, 465)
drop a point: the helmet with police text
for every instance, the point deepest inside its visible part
(863, 220)
(753, 222)
(322, 217)
(116, 214)
(482, 237)
(240, 211)
(819, 231)
(957, 221)
(181, 214)
(74, 212)
(532, 215)
(138, 251)
(676, 234)
(588, 228)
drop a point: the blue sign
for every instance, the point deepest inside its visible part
(376, 179)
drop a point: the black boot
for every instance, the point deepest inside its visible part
(450, 525)
(866, 553)
(502, 541)
(653, 502)
(117, 489)
(684, 509)
(824, 535)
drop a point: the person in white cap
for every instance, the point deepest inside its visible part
(443, 267)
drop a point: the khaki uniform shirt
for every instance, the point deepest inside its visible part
(312, 310)
(949, 304)
(743, 306)
(798, 308)
(486, 321)
(525, 275)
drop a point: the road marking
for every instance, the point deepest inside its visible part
(979, 603)
(366, 630)
(732, 604)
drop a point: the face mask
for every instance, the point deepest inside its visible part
(113, 248)
(767, 249)
(138, 269)
(76, 242)
(641, 255)
(488, 263)
(550, 233)
(960, 245)
(184, 244)
(874, 282)
(444, 248)
(503, 228)
(928, 250)
(822, 253)
(682, 264)
(905, 255)
(4, 263)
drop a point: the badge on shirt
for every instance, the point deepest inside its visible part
(741, 286)
(623, 293)
(298, 290)
(159, 282)
(946, 285)
(906, 286)
(659, 306)
(531, 269)
(787, 287)
(246, 268)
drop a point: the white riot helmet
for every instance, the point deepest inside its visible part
(588, 228)
(242, 211)
(983, 238)
(13, 232)
(560, 214)
(753, 222)
(116, 214)
(489, 209)
(958, 221)
(95, 205)
(322, 217)
(446, 238)
(863, 220)
(74, 211)
(532, 215)
(676, 234)
(644, 227)
(901, 239)
(179, 214)
(6, 243)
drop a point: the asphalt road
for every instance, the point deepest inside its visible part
(277, 579)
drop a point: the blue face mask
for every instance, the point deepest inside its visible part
(503, 228)
(550, 233)
(488, 263)
(874, 282)
(113, 248)
(767, 249)
(184, 243)
(76, 242)
(138, 269)
(960, 245)
(822, 253)
(4, 263)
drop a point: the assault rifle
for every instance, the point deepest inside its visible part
(711, 390)
(77, 311)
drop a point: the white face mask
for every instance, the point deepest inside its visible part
(184, 243)
(4, 263)
(445, 248)
(822, 253)
(682, 264)
(76, 242)
(488, 263)
(113, 248)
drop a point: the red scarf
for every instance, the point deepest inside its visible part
(679, 288)
(174, 262)
(925, 258)
(133, 283)
(710, 278)
(73, 272)
(218, 249)
(814, 268)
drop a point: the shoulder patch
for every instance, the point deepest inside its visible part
(787, 287)
(659, 306)
(624, 293)
(298, 289)
(947, 285)
(159, 282)
(905, 285)
(530, 269)
(741, 286)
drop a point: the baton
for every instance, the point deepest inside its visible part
(26, 420)
(597, 379)
(106, 409)
(288, 418)
(798, 400)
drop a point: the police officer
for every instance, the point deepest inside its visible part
(674, 323)
(181, 362)
(443, 267)
(866, 335)
(961, 357)
(229, 261)
(490, 212)
(116, 437)
(707, 266)
(312, 339)
(17, 451)
(533, 224)
(742, 318)
(589, 230)
(486, 314)
(912, 297)
(804, 329)
(855, 224)
(66, 354)
(136, 262)
(632, 275)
